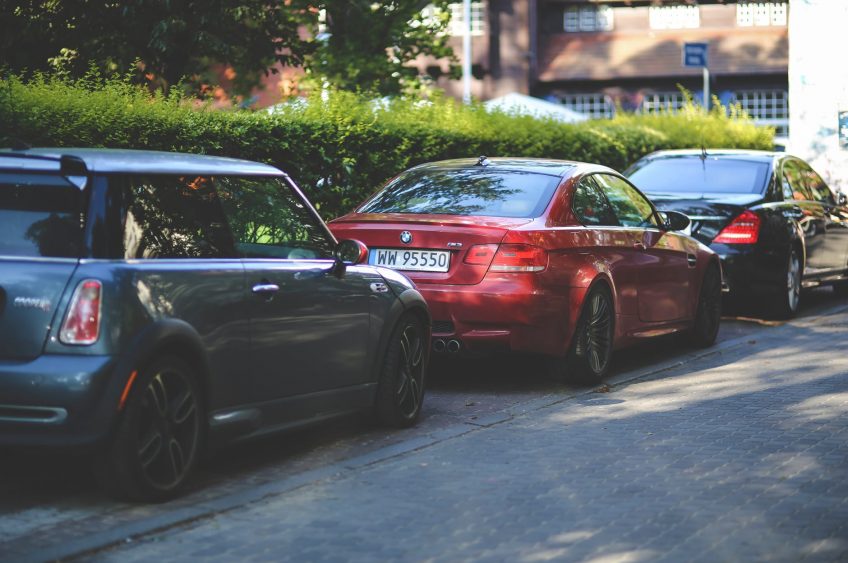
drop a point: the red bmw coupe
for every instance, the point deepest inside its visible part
(559, 258)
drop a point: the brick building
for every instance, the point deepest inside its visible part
(595, 55)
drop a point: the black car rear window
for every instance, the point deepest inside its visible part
(691, 174)
(40, 216)
(494, 193)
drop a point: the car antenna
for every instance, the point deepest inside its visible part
(703, 157)
(482, 161)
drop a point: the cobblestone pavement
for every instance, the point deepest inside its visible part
(738, 456)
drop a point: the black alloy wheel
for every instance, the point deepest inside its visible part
(400, 391)
(708, 315)
(159, 437)
(789, 294)
(591, 348)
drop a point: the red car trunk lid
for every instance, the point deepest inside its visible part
(453, 233)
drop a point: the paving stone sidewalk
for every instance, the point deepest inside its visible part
(741, 456)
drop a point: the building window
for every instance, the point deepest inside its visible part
(766, 107)
(595, 106)
(760, 14)
(457, 21)
(663, 102)
(674, 17)
(587, 18)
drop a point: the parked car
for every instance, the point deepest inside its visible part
(563, 259)
(153, 303)
(770, 217)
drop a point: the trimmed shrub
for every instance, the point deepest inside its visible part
(341, 148)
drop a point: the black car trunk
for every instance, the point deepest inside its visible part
(709, 213)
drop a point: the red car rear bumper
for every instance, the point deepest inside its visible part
(510, 312)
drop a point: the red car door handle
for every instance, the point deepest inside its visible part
(639, 245)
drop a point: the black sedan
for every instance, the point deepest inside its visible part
(774, 222)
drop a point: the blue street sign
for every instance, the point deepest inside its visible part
(695, 54)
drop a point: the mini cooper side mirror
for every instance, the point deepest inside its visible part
(675, 221)
(351, 252)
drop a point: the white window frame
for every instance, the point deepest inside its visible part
(660, 102)
(678, 16)
(596, 106)
(587, 19)
(456, 27)
(761, 14)
(768, 107)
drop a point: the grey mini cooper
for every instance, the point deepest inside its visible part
(155, 304)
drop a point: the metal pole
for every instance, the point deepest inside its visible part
(706, 89)
(466, 52)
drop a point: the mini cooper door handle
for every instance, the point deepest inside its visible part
(261, 288)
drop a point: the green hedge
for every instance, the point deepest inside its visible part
(340, 149)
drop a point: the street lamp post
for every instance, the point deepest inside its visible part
(466, 52)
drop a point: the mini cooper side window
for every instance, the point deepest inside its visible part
(631, 208)
(174, 217)
(269, 220)
(590, 206)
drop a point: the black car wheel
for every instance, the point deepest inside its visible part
(591, 347)
(159, 437)
(708, 315)
(789, 296)
(400, 391)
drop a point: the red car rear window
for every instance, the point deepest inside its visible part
(493, 193)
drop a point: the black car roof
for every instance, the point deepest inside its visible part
(746, 154)
(133, 161)
(535, 165)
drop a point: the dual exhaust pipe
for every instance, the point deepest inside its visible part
(451, 346)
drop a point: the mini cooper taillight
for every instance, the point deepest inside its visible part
(82, 322)
(744, 229)
(519, 258)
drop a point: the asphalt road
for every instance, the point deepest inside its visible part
(51, 506)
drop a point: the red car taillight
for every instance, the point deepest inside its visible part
(744, 229)
(481, 254)
(82, 323)
(519, 258)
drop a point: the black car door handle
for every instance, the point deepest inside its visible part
(265, 288)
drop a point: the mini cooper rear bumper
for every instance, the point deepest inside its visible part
(57, 400)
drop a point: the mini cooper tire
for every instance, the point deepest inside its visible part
(160, 434)
(400, 389)
(708, 314)
(590, 353)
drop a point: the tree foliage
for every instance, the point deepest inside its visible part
(166, 41)
(367, 46)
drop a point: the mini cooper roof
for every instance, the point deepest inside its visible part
(131, 161)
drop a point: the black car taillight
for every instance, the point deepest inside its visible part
(744, 229)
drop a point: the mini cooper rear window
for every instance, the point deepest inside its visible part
(493, 193)
(40, 216)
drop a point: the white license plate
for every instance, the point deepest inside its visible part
(416, 260)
